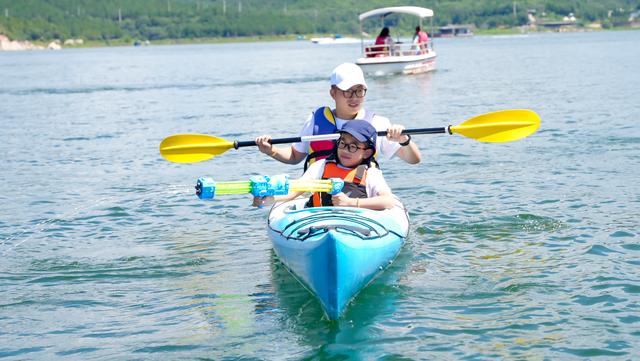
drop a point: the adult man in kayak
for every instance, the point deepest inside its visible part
(348, 90)
(352, 161)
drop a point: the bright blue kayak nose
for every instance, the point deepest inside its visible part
(336, 251)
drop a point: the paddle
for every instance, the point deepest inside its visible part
(500, 126)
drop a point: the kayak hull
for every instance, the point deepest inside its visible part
(335, 252)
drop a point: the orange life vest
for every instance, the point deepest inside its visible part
(355, 183)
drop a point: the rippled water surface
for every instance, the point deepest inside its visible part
(518, 251)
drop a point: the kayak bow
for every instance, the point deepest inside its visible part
(335, 252)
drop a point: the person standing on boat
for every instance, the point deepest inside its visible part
(348, 90)
(422, 39)
(352, 161)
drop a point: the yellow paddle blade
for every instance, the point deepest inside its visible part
(191, 148)
(500, 126)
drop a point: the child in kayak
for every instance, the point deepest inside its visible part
(352, 160)
(348, 90)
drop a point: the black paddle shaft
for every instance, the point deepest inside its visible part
(439, 130)
(250, 143)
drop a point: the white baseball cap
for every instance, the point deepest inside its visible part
(346, 75)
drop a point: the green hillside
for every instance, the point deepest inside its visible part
(108, 20)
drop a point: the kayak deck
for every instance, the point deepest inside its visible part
(336, 251)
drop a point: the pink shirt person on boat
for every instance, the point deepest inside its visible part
(422, 39)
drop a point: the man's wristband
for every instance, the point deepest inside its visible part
(405, 143)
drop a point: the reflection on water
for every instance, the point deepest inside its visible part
(301, 313)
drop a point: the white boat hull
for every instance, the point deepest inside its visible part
(407, 64)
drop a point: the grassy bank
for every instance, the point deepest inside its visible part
(249, 39)
(184, 41)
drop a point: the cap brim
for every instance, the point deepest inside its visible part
(346, 85)
(358, 136)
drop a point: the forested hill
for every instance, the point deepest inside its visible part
(105, 20)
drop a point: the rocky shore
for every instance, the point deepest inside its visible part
(7, 44)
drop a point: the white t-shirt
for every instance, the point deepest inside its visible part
(384, 148)
(375, 182)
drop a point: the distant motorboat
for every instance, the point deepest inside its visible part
(401, 57)
(336, 39)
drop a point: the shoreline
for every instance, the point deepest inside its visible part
(23, 45)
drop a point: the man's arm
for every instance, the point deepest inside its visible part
(287, 155)
(409, 153)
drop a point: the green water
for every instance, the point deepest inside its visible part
(518, 251)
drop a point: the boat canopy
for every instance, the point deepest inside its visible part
(411, 10)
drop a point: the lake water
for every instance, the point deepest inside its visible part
(518, 251)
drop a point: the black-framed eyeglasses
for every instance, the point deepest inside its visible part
(351, 148)
(358, 92)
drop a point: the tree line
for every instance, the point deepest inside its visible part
(104, 20)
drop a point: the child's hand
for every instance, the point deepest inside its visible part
(262, 201)
(342, 200)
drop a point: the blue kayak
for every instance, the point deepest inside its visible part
(336, 251)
